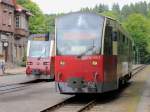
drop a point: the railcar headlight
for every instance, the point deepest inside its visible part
(94, 63)
(45, 63)
(29, 63)
(62, 63)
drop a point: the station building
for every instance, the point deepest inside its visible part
(13, 31)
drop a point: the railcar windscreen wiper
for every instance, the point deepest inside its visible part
(88, 50)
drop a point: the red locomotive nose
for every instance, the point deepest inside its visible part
(74, 74)
(89, 68)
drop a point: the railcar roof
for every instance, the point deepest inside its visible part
(80, 12)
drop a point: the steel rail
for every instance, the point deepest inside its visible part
(58, 105)
(13, 89)
(88, 106)
(138, 69)
(9, 88)
(71, 104)
(26, 82)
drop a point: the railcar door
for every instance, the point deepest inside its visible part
(110, 56)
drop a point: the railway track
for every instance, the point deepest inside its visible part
(79, 104)
(11, 74)
(9, 88)
(138, 69)
(72, 104)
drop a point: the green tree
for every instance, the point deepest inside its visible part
(102, 8)
(139, 28)
(22, 2)
(86, 9)
(111, 14)
(50, 20)
(126, 10)
(116, 8)
(98, 9)
(37, 23)
(141, 8)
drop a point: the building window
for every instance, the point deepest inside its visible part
(4, 17)
(10, 19)
(1, 48)
(17, 21)
(21, 22)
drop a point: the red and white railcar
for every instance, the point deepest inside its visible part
(93, 53)
(40, 56)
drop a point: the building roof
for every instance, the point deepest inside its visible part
(17, 7)
(9, 2)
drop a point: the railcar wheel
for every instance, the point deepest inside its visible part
(122, 82)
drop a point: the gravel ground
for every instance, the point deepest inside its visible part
(144, 105)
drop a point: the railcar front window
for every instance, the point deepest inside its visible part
(79, 34)
(39, 49)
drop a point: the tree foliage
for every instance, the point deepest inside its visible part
(111, 14)
(116, 8)
(139, 28)
(37, 22)
(50, 20)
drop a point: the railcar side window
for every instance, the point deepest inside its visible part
(108, 40)
(122, 43)
(111, 35)
(114, 36)
(123, 39)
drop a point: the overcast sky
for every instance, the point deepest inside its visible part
(58, 6)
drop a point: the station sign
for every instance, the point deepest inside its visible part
(39, 37)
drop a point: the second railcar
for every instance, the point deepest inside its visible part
(93, 54)
(40, 56)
